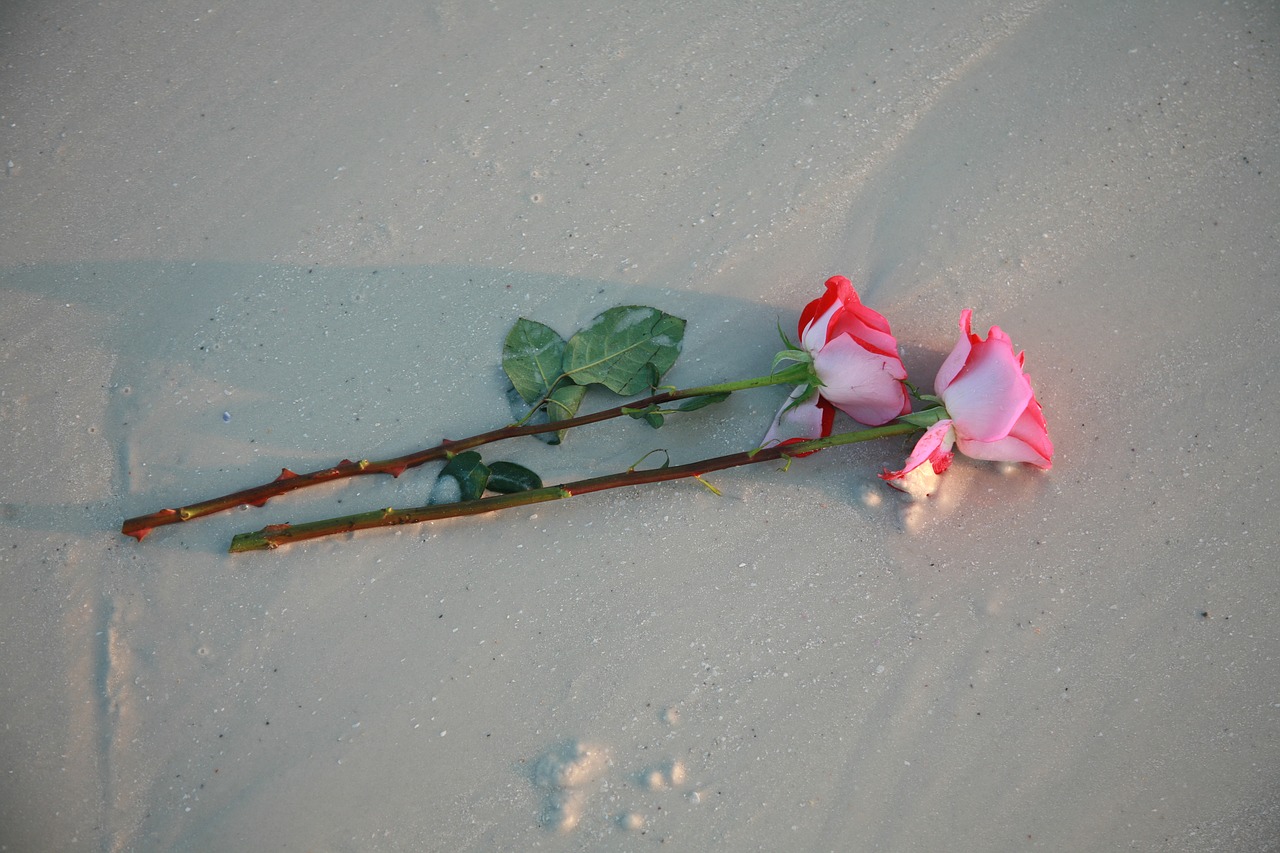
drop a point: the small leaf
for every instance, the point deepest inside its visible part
(713, 489)
(532, 356)
(666, 461)
(651, 414)
(695, 403)
(508, 478)
(626, 349)
(925, 418)
(469, 478)
(561, 405)
(564, 402)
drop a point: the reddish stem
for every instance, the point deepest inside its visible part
(275, 535)
(288, 481)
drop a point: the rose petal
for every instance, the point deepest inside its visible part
(839, 311)
(868, 326)
(809, 419)
(932, 455)
(838, 290)
(865, 385)
(1028, 442)
(959, 354)
(814, 336)
(990, 392)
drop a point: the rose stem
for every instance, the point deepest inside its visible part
(139, 526)
(275, 535)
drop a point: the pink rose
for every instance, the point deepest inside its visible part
(992, 411)
(855, 359)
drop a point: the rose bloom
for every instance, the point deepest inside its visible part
(992, 412)
(855, 358)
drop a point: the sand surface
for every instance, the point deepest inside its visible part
(240, 237)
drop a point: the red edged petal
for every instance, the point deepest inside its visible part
(934, 448)
(839, 289)
(811, 419)
(990, 392)
(955, 361)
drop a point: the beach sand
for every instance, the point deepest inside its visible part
(252, 236)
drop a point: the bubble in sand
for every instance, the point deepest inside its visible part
(563, 810)
(669, 774)
(570, 766)
(564, 771)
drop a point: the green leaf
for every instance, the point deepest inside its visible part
(695, 403)
(655, 415)
(563, 404)
(651, 414)
(666, 460)
(509, 478)
(463, 478)
(626, 349)
(926, 417)
(532, 357)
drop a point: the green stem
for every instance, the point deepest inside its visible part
(288, 481)
(794, 375)
(275, 535)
